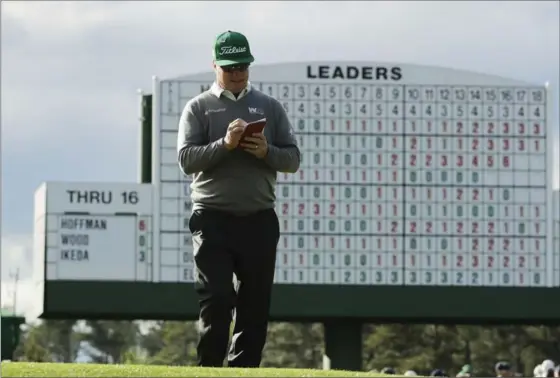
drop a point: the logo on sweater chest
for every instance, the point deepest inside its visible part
(256, 111)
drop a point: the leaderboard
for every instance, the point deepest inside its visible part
(410, 175)
(93, 232)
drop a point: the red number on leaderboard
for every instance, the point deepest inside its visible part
(141, 225)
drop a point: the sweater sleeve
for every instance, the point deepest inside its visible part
(283, 154)
(194, 153)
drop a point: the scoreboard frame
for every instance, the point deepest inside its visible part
(313, 302)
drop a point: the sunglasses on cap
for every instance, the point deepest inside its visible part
(235, 67)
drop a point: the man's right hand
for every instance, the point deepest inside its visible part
(233, 133)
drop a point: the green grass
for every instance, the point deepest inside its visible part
(25, 369)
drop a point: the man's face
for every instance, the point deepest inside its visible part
(233, 78)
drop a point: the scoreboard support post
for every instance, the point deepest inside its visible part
(145, 176)
(343, 345)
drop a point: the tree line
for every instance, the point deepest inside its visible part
(421, 348)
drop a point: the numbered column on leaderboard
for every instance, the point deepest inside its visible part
(475, 186)
(340, 214)
(176, 256)
(144, 260)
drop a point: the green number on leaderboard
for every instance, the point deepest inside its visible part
(394, 277)
(429, 210)
(413, 244)
(363, 260)
(459, 277)
(428, 277)
(347, 225)
(521, 228)
(378, 277)
(443, 277)
(537, 278)
(347, 260)
(332, 225)
(413, 176)
(474, 278)
(443, 176)
(459, 211)
(505, 278)
(317, 125)
(412, 277)
(347, 276)
(491, 211)
(475, 177)
(316, 225)
(506, 194)
(363, 192)
(475, 211)
(316, 259)
(459, 177)
(413, 210)
(363, 225)
(362, 276)
(316, 192)
(428, 176)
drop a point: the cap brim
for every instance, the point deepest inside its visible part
(232, 62)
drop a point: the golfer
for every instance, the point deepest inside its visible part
(234, 226)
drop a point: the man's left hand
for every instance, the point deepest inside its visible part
(256, 145)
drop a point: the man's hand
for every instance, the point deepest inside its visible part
(256, 145)
(233, 133)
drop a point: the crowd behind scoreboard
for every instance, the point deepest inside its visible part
(547, 368)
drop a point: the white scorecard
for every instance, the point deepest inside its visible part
(411, 175)
(93, 231)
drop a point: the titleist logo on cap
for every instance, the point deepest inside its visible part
(226, 50)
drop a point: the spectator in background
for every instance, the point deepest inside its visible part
(547, 368)
(537, 371)
(503, 369)
(388, 370)
(466, 371)
(438, 373)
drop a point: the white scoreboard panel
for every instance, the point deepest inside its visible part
(410, 175)
(556, 236)
(93, 232)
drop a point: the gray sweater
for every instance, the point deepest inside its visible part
(234, 181)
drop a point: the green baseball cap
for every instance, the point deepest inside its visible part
(232, 48)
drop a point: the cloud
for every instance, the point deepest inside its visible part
(17, 257)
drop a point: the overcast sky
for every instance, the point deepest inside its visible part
(70, 71)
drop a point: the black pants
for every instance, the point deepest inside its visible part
(225, 244)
